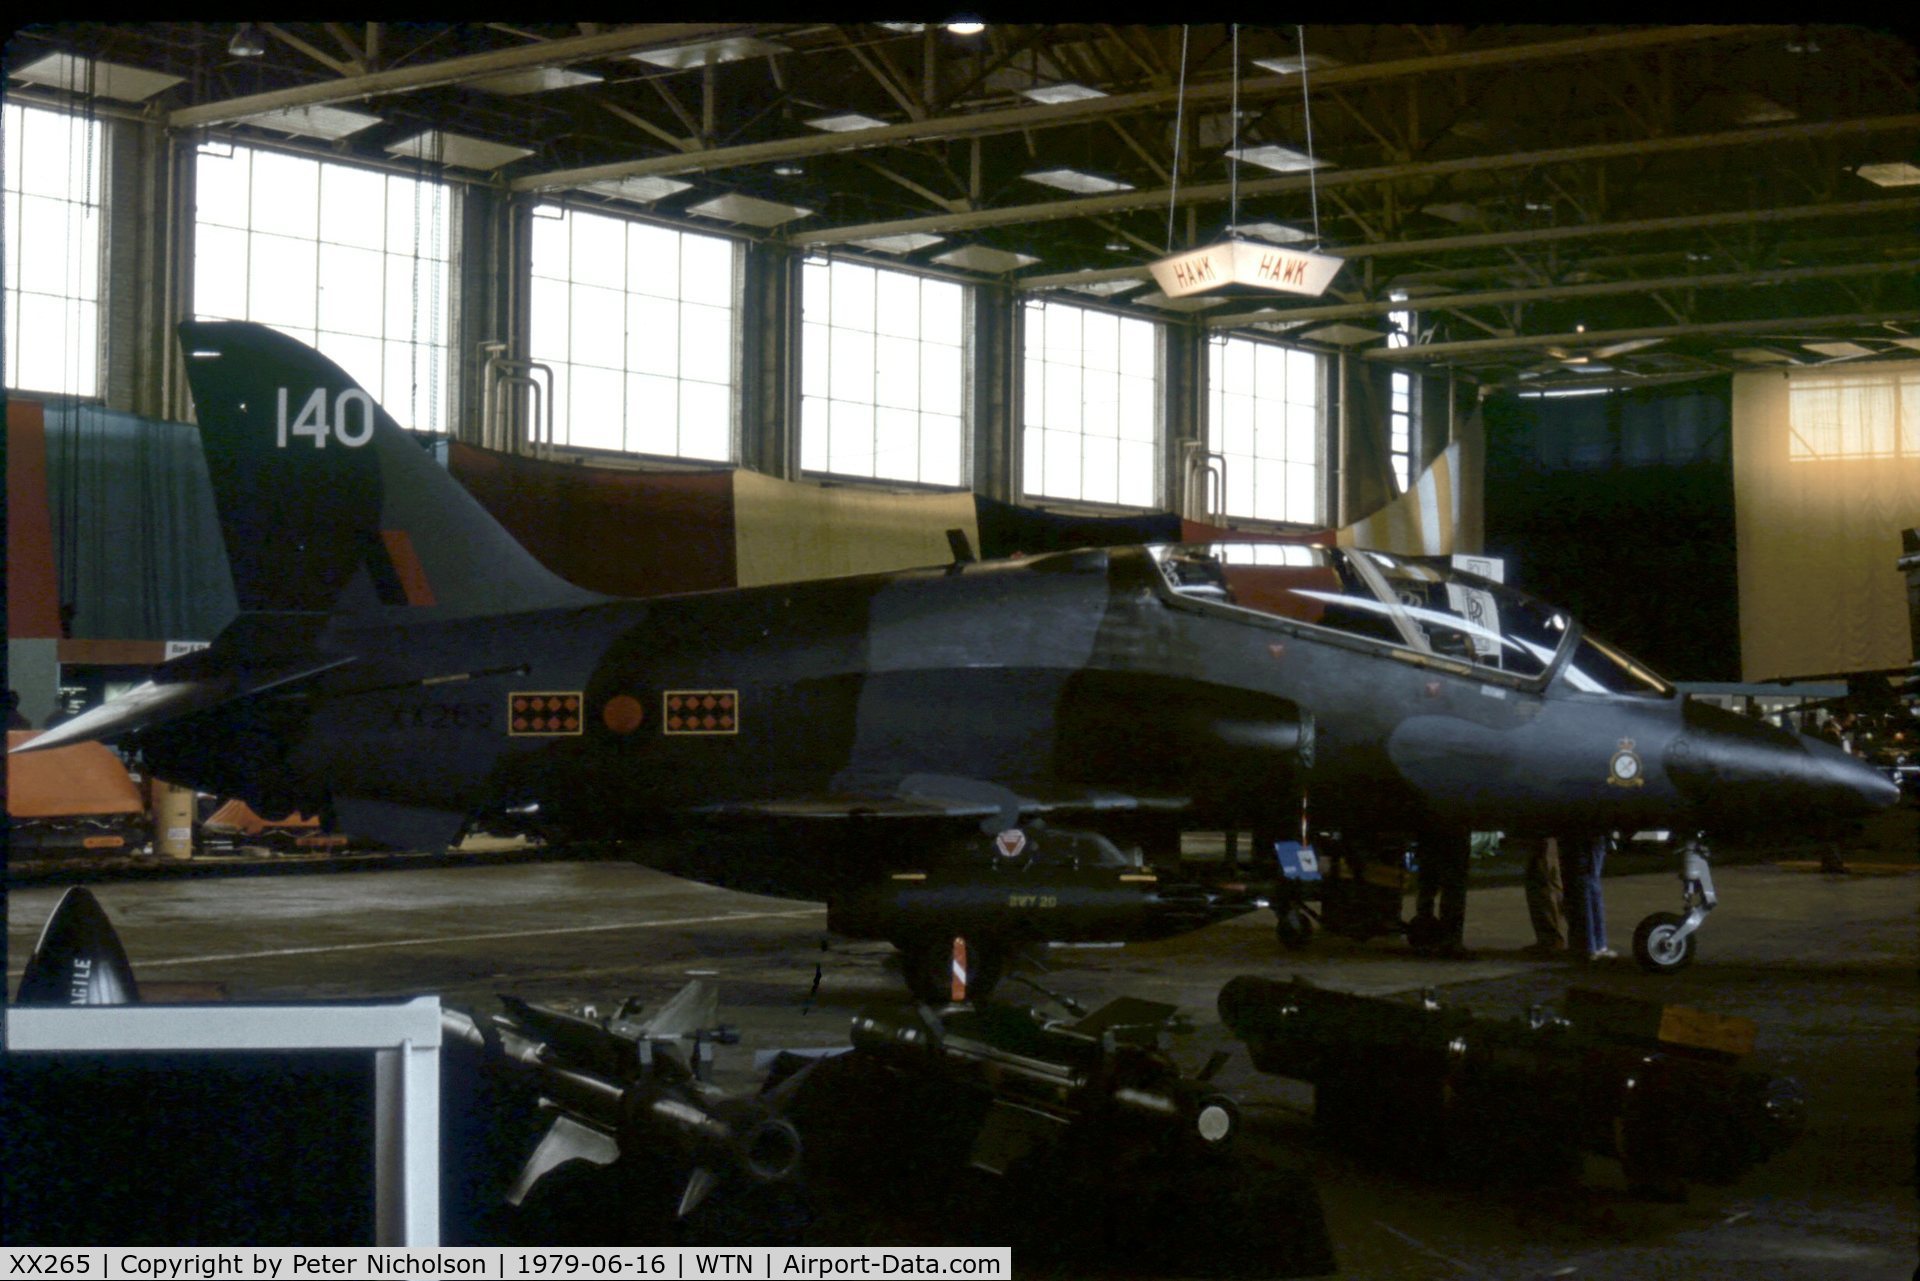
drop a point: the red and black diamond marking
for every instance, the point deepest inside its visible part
(543, 713)
(700, 711)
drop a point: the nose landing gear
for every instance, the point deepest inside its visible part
(1664, 941)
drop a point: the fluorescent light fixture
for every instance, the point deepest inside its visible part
(750, 210)
(643, 190)
(845, 122)
(330, 123)
(93, 76)
(1295, 64)
(1342, 334)
(1281, 326)
(966, 26)
(1106, 288)
(1276, 232)
(1165, 303)
(901, 244)
(981, 258)
(1051, 94)
(685, 57)
(1083, 184)
(1613, 349)
(789, 169)
(534, 80)
(904, 28)
(1838, 350)
(1892, 173)
(1747, 108)
(1271, 155)
(1912, 344)
(458, 150)
(1762, 356)
(247, 42)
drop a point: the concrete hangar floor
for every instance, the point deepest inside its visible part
(1824, 965)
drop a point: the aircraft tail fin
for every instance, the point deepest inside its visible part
(328, 507)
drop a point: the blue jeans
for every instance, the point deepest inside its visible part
(1581, 858)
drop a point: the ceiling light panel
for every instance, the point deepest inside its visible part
(1106, 288)
(330, 123)
(515, 84)
(643, 190)
(749, 210)
(1271, 155)
(1194, 302)
(685, 57)
(982, 258)
(845, 122)
(1294, 65)
(1081, 184)
(1052, 94)
(458, 150)
(1838, 350)
(1342, 334)
(93, 76)
(1273, 232)
(902, 244)
(1895, 173)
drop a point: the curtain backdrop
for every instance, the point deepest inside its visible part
(1826, 469)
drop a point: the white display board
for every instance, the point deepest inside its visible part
(404, 1040)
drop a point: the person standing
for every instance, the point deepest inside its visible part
(1583, 858)
(1440, 911)
(1545, 897)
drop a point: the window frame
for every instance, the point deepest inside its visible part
(91, 203)
(1023, 448)
(329, 329)
(829, 324)
(1215, 431)
(628, 371)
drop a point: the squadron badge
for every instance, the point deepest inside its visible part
(1624, 770)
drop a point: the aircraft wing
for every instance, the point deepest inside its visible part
(946, 796)
(156, 702)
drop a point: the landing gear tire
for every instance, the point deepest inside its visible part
(1294, 928)
(1655, 947)
(927, 966)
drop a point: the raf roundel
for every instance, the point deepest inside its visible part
(623, 714)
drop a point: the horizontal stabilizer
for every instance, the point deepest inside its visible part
(157, 702)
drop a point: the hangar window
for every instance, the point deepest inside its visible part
(637, 321)
(1264, 416)
(353, 261)
(881, 355)
(1862, 415)
(53, 171)
(1091, 398)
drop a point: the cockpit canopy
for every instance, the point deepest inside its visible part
(1419, 606)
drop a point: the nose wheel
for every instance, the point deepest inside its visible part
(1659, 946)
(1664, 942)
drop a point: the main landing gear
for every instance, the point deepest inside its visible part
(1664, 941)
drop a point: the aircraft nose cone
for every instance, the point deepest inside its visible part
(1750, 773)
(1874, 790)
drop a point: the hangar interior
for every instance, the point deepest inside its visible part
(1631, 310)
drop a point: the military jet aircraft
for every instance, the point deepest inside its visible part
(891, 744)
